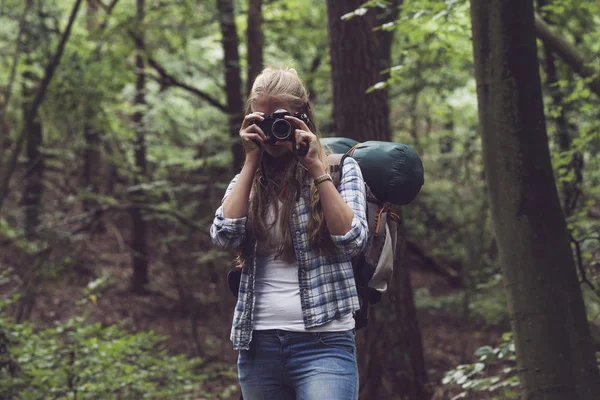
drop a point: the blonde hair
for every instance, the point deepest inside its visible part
(284, 85)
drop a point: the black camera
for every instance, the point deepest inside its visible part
(276, 127)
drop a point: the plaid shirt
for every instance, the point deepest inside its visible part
(327, 288)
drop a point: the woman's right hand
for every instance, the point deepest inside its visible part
(253, 138)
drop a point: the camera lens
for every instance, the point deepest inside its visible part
(281, 129)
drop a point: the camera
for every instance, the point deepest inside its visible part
(276, 127)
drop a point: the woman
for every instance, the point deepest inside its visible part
(293, 323)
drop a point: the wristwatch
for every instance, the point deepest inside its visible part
(322, 178)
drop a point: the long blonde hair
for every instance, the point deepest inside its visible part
(285, 86)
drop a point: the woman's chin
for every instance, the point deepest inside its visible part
(277, 151)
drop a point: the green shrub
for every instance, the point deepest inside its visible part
(78, 360)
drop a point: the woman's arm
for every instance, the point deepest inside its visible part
(229, 226)
(345, 208)
(235, 205)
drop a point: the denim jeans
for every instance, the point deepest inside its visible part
(283, 365)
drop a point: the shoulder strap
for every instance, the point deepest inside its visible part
(335, 168)
(336, 161)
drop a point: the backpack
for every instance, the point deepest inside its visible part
(393, 174)
(374, 266)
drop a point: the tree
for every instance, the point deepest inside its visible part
(555, 353)
(391, 362)
(92, 158)
(566, 130)
(139, 243)
(356, 67)
(254, 41)
(233, 80)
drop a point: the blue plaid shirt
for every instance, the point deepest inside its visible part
(327, 288)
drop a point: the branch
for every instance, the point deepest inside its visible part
(88, 219)
(565, 50)
(170, 80)
(584, 278)
(39, 97)
(451, 276)
(108, 10)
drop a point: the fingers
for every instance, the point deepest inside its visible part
(298, 122)
(251, 118)
(255, 138)
(254, 129)
(304, 138)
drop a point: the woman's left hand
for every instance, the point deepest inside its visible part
(304, 137)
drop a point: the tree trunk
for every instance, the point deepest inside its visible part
(92, 157)
(233, 81)
(565, 132)
(139, 243)
(390, 348)
(355, 67)
(255, 40)
(390, 353)
(33, 185)
(555, 354)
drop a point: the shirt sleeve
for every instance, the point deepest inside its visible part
(228, 232)
(352, 190)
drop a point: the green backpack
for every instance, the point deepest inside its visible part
(393, 174)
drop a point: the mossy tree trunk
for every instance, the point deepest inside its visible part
(555, 354)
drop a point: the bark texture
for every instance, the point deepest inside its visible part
(355, 67)
(92, 157)
(233, 80)
(139, 243)
(390, 352)
(555, 354)
(254, 40)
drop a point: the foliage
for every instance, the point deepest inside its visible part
(77, 359)
(494, 372)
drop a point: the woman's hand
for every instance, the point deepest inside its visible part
(253, 138)
(304, 137)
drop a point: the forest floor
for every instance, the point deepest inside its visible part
(447, 337)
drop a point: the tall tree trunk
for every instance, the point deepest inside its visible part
(390, 351)
(254, 40)
(233, 81)
(33, 188)
(92, 157)
(555, 353)
(565, 131)
(139, 241)
(355, 67)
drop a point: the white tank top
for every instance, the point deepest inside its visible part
(277, 302)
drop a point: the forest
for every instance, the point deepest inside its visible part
(119, 133)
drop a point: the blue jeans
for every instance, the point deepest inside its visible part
(283, 365)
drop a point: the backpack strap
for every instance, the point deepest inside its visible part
(335, 168)
(336, 162)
